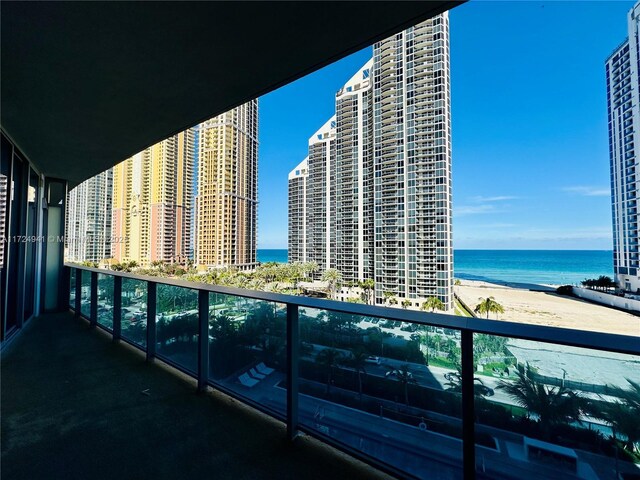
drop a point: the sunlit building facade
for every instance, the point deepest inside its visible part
(320, 198)
(354, 177)
(623, 108)
(378, 194)
(88, 220)
(152, 196)
(298, 212)
(412, 164)
(227, 198)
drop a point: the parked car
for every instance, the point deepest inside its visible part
(484, 390)
(395, 373)
(373, 359)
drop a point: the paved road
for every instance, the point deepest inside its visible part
(427, 376)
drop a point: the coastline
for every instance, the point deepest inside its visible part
(540, 305)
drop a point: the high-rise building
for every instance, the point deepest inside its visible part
(194, 192)
(387, 182)
(228, 189)
(3, 216)
(88, 220)
(320, 198)
(412, 164)
(152, 195)
(298, 213)
(354, 228)
(623, 102)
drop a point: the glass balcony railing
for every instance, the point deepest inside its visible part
(133, 312)
(85, 293)
(416, 394)
(105, 300)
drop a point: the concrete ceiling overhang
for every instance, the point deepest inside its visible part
(87, 84)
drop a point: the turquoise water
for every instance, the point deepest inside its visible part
(522, 266)
(532, 266)
(272, 255)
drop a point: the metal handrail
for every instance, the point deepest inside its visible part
(467, 327)
(557, 335)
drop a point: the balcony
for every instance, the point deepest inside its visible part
(292, 358)
(77, 405)
(96, 409)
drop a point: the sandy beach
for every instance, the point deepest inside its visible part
(548, 308)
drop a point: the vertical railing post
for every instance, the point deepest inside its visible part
(66, 288)
(78, 291)
(117, 308)
(468, 406)
(93, 297)
(152, 288)
(293, 341)
(203, 339)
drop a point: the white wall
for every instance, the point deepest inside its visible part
(607, 299)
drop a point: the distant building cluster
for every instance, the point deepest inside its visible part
(373, 197)
(623, 102)
(189, 198)
(88, 222)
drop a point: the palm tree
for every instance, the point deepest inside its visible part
(605, 282)
(623, 416)
(406, 303)
(329, 358)
(367, 286)
(405, 377)
(553, 406)
(310, 268)
(488, 305)
(393, 301)
(387, 296)
(334, 279)
(623, 420)
(454, 383)
(432, 304)
(357, 361)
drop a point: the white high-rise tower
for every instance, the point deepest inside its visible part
(412, 164)
(623, 102)
(378, 191)
(88, 221)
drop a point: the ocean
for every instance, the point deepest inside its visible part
(555, 267)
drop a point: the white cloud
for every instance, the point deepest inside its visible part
(498, 198)
(589, 191)
(480, 205)
(464, 210)
(497, 225)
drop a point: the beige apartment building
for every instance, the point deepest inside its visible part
(152, 195)
(228, 190)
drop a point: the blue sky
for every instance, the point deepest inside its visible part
(529, 126)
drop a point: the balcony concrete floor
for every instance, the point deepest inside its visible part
(75, 405)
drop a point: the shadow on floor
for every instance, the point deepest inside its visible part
(73, 407)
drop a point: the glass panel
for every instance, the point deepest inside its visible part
(72, 288)
(85, 294)
(105, 300)
(247, 348)
(381, 387)
(177, 325)
(30, 246)
(385, 388)
(17, 203)
(134, 311)
(556, 411)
